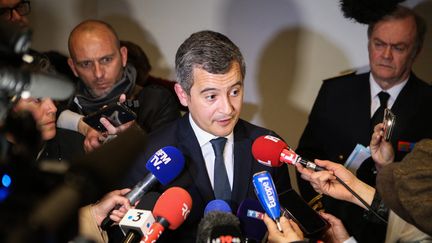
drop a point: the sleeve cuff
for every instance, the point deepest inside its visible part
(69, 120)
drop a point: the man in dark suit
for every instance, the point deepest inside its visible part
(210, 72)
(345, 108)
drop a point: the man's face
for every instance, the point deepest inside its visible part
(44, 113)
(97, 60)
(215, 100)
(391, 50)
(15, 16)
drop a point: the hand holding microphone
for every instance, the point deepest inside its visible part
(138, 220)
(102, 208)
(272, 151)
(290, 230)
(164, 166)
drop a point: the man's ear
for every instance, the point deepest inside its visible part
(181, 94)
(123, 54)
(72, 66)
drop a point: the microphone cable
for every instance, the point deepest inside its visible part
(360, 199)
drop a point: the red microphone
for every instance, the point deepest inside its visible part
(170, 211)
(272, 151)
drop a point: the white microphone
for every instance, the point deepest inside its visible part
(137, 221)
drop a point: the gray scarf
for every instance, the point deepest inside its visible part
(88, 103)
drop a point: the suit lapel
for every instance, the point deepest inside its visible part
(195, 165)
(360, 124)
(242, 164)
(405, 107)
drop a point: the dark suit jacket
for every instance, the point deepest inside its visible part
(340, 119)
(194, 177)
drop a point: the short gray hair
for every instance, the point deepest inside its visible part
(400, 13)
(209, 50)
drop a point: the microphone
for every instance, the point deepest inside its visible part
(164, 166)
(217, 222)
(14, 38)
(251, 215)
(36, 85)
(272, 151)
(217, 205)
(171, 210)
(226, 234)
(267, 195)
(137, 221)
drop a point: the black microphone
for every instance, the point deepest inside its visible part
(36, 85)
(164, 166)
(217, 223)
(14, 38)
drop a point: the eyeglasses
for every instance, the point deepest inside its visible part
(22, 8)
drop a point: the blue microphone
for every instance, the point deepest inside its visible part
(217, 205)
(267, 195)
(164, 166)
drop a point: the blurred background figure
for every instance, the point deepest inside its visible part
(15, 11)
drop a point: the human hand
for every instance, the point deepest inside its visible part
(290, 230)
(101, 209)
(93, 139)
(112, 130)
(381, 150)
(325, 181)
(337, 232)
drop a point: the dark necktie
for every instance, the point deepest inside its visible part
(379, 113)
(222, 189)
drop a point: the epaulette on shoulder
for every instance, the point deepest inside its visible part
(345, 73)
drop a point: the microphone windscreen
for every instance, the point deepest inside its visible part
(148, 201)
(367, 11)
(166, 164)
(267, 150)
(217, 205)
(173, 205)
(214, 219)
(225, 233)
(251, 214)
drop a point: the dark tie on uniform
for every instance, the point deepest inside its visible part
(222, 189)
(379, 113)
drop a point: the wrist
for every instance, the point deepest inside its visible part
(95, 214)
(365, 191)
(82, 127)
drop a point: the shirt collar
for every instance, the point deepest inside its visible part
(203, 136)
(393, 91)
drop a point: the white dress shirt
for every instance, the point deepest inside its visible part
(375, 89)
(209, 155)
